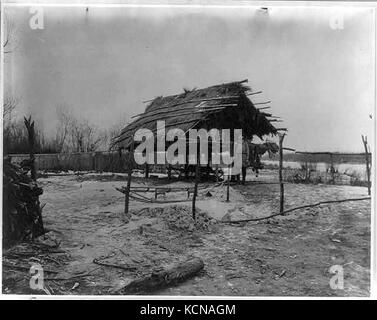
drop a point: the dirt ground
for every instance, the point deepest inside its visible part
(289, 256)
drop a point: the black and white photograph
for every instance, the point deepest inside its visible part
(188, 150)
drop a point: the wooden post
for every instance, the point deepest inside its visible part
(281, 138)
(146, 170)
(332, 169)
(31, 138)
(228, 184)
(365, 143)
(33, 172)
(197, 177)
(169, 172)
(128, 189)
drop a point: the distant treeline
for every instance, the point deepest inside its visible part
(71, 134)
(337, 157)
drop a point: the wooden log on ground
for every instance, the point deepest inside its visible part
(163, 279)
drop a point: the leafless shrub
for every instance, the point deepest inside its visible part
(76, 134)
(10, 103)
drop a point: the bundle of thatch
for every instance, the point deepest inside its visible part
(224, 106)
(22, 218)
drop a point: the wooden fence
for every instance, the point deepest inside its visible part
(104, 161)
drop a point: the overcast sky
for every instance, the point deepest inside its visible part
(105, 62)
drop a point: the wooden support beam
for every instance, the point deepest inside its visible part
(228, 185)
(365, 143)
(130, 167)
(197, 177)
(281, 139)
(194, 100)
(259, 103)
(253, 93)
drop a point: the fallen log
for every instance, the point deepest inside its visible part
(163, 279)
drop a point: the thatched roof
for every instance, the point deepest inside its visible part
(224, 106)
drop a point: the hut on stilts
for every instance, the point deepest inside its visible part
(224, 106)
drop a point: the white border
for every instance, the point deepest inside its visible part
(209, 4)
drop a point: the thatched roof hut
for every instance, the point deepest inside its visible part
(224, 106)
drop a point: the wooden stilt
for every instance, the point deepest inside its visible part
(146, 170)
(197, 177)
(128, 189)
(281, 139)
(228, 185)
(365, 143)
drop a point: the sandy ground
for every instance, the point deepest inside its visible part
(288, 256)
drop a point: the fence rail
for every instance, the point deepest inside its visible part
(103, 161)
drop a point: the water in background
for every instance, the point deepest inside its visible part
(344, 168)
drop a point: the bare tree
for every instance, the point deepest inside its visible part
(114, 132)
(75, 134)
(9, 35)
(84, 136)
(65, 119)
(9, 104)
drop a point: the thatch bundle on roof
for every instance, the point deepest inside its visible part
(225, 106)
